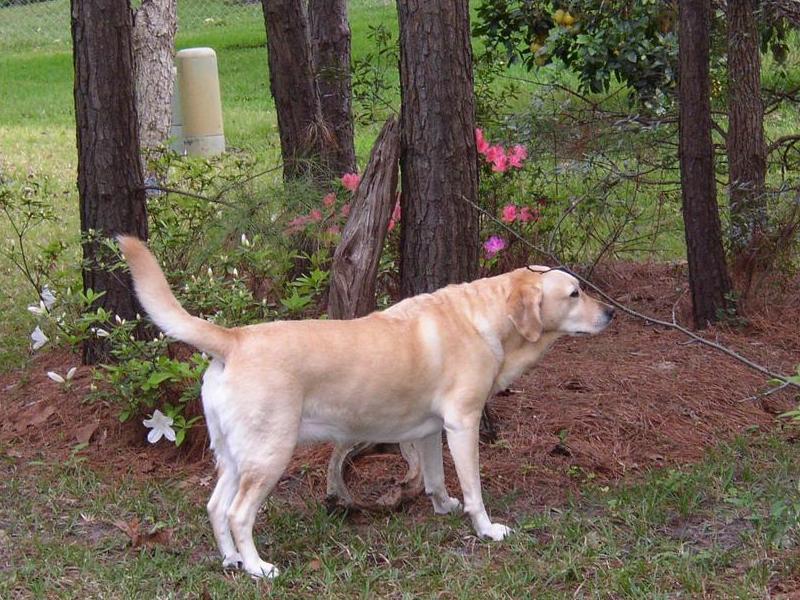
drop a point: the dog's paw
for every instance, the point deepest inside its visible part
(262, 569)
(446, 507)
(234, 561)
(495, 531)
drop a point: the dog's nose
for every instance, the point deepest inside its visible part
(610, 311)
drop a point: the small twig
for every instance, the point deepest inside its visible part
(784, 139)
(675, 306)
(168, 190)
(769, 392)
(630, 311)
(216, 198)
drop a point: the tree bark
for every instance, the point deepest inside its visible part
(747, 161)
(783, 9)
(355, 262)
(155, 23)
(330, 48)
(112, 198)
(708, 274)
(438, 156)
(301, 126)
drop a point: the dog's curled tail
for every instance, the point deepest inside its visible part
(164, 309)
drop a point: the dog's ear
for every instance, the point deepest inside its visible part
(524, 311)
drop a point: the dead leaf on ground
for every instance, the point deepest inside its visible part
(314, 564)
(34, 416)
(138, 538)
(84, 434)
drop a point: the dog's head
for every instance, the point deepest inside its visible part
(544, 300)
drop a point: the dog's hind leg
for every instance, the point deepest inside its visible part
(218, 504)
(433, 474)
(257, 476)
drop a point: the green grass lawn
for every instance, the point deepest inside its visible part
(725, 528)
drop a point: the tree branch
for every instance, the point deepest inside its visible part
(646, 318)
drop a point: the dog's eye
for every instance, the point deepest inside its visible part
(575, 294)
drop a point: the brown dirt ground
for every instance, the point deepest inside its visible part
(633, 398)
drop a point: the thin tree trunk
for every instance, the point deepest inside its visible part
(747, 162)
(112, 198)
(438, 155)
(155, 23)
(301, 126)
(330, 47)
(708, 274)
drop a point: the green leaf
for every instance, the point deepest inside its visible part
(156, 379)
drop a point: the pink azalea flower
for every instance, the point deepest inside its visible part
(500, 163)
(396, 213)
(329, 200)
(315, 215)
(298, 223)
(526, 214)
(493, 245)
(509, 213)
(480, 141)
(346, 210)
(517, 155)
(493, 153)
(350, 181)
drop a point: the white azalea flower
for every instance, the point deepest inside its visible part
(245, 241)
(159, 425)
(37, 309)
(59, 379)
(48, 297)
(235, 272)
(101, 333)
(56, 377)
(38, 338)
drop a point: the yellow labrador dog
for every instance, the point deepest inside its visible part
(427, 364)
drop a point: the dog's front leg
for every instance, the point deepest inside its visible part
(462, 439)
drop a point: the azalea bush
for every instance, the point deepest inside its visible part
(234, 252)
(507, 191)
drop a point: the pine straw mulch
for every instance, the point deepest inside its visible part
(633, 398)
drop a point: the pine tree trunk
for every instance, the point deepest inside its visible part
(112, 198)
(155, 23)
(438, 155)
(330, 47)
(301, 127)
(708, 274)
(747, 161)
